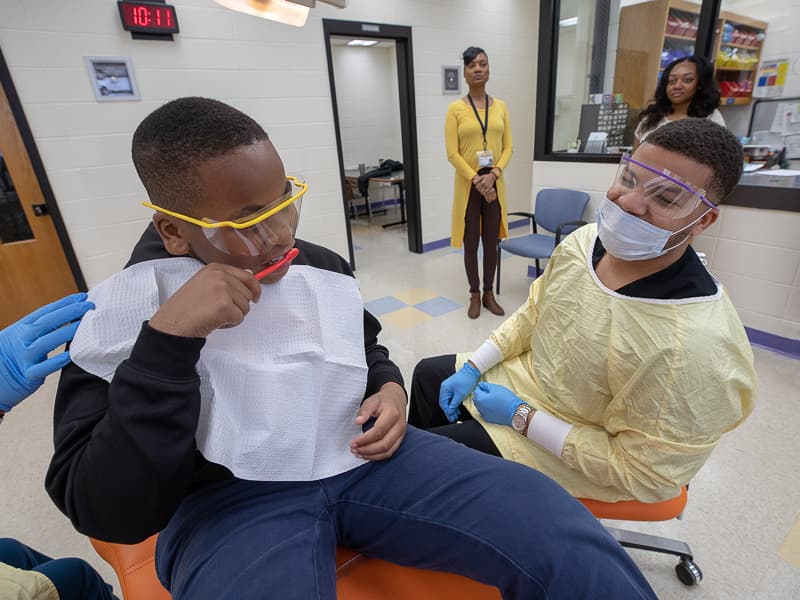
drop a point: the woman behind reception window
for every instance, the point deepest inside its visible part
(686, 89)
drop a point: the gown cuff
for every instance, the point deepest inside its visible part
(549, 432)
(487, 356)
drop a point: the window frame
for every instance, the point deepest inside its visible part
(549, 14)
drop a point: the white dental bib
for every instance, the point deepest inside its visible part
(279, 392)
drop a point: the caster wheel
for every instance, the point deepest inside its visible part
(688, 572)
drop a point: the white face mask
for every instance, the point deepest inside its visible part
(628, 237)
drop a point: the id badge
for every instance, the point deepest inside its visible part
(485, 159)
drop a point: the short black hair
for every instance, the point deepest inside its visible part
(471, 54)
(173, 140)
(707, 143)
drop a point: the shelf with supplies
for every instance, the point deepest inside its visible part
(742, 46)
(737, 52)
(734, 100)
(736, 68)
(672, 36)
(653, 34)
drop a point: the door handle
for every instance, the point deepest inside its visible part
(40, 209)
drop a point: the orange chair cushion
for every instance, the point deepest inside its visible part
(135, 568)
(364, 578)
(358, 577)
(633, 510)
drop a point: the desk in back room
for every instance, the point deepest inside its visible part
(397, 178)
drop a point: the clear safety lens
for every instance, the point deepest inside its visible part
(269, 228)
(255, 240)
(664, 191)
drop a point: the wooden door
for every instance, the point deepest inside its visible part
(33, 266)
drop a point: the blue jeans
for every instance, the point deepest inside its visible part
(74, 578)
(435, 504)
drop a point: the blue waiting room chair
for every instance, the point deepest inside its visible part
(557, 210)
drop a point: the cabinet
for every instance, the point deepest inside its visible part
(653, 34)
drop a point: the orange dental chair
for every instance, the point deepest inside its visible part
(360, 577)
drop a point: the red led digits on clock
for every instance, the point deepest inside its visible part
(148, 17)
(141, 15)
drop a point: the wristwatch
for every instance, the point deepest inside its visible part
(520, 418)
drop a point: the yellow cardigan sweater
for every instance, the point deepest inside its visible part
(463, 138)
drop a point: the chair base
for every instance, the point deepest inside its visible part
(686, 570)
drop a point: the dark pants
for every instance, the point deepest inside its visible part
(424, 411)
(75, 579)
(481, 223)
(434, 504)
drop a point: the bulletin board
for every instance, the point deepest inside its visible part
(776, 122)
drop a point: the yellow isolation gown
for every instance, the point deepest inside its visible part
(463, 139)
(18, 584)
(649, 385)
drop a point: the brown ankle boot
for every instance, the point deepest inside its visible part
(474, 305)
(490, 303)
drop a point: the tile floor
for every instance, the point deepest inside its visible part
(742, 518)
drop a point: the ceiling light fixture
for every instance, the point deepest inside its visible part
(290, 12)
(274, 10)
(363, 42)
(570, 22)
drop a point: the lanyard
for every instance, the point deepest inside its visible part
(485, 123)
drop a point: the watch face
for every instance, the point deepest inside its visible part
(518, 421)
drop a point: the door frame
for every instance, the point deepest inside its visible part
(41, 175)
(401, 34)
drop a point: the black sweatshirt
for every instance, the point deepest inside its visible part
(125, 453)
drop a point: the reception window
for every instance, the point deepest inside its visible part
(600, 62)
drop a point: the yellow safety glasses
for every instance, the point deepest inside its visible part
(254, 234)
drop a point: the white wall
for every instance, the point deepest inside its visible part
(276, 73)
(756, 255)
(369, 104)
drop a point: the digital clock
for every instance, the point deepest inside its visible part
(148, 17)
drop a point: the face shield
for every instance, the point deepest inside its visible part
(257, 233)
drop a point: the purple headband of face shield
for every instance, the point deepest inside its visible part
(688, 188)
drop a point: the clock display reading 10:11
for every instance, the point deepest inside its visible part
(148, 17)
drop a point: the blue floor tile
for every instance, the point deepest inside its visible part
(384, 305)
(438, 306)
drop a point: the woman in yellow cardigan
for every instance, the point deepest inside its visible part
(478, 141)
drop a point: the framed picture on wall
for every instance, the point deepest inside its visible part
(112, 78)
(451, 79)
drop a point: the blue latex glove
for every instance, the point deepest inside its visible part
(496, 403)
(456, 388)
(25, 344)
